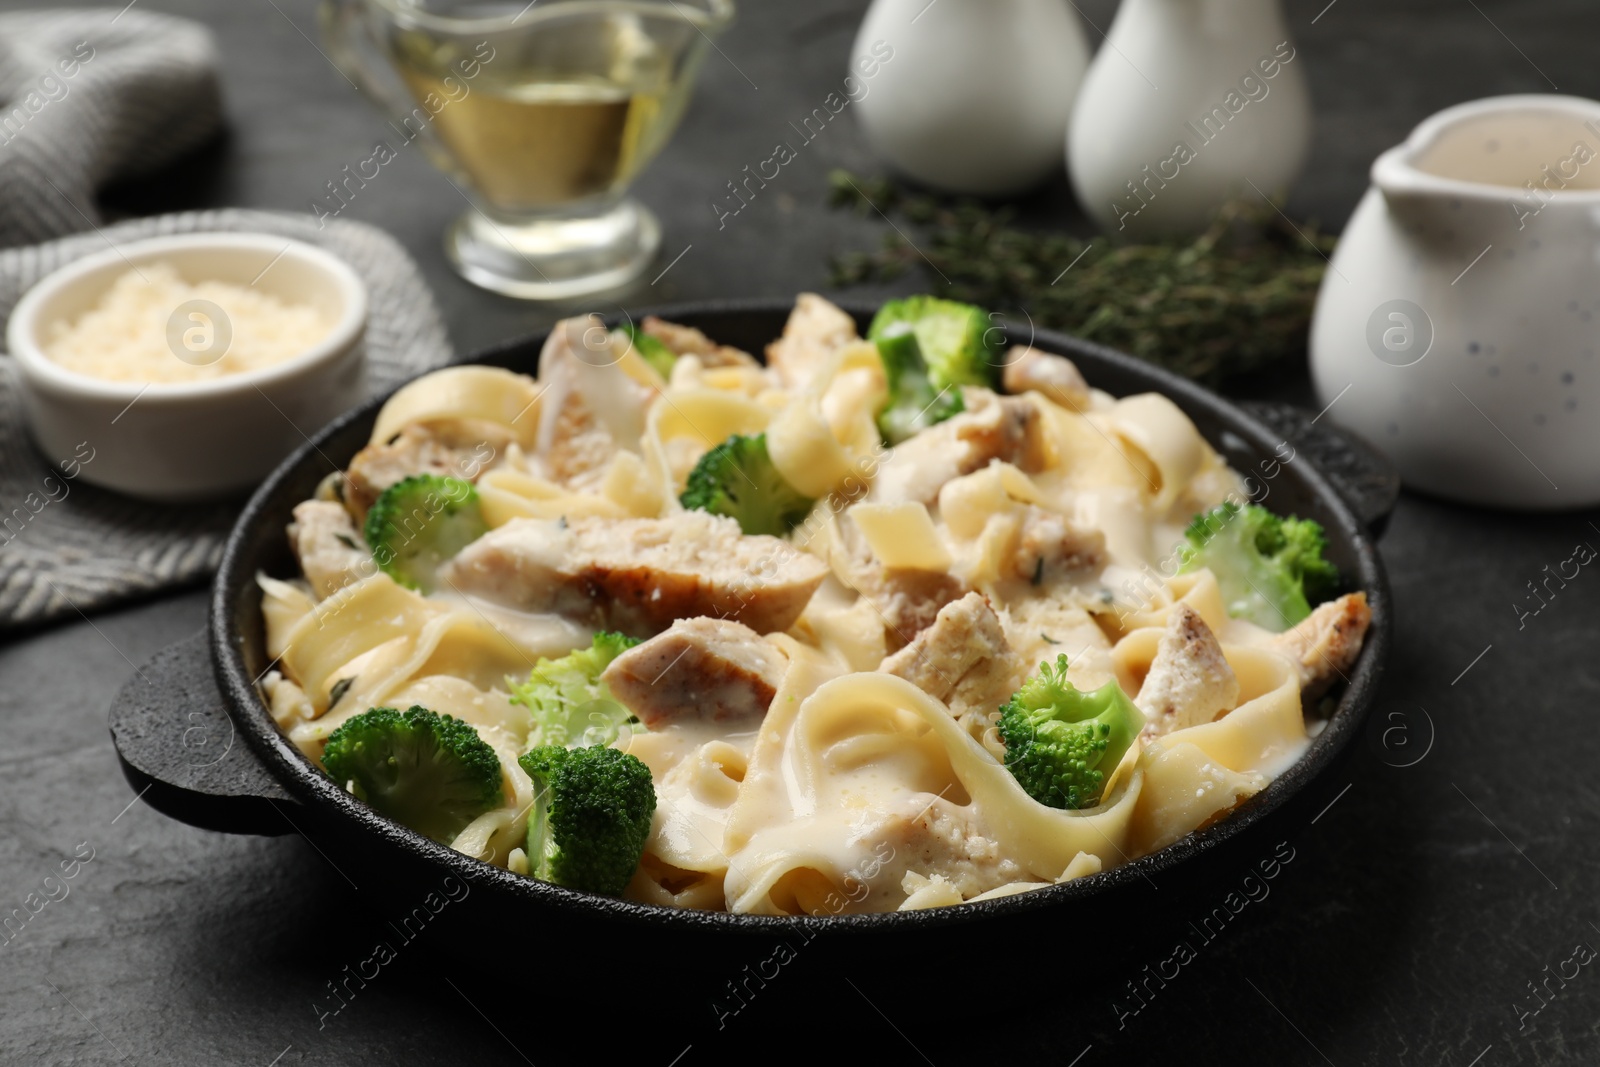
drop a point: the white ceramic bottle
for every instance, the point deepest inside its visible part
(1188, 104)
(1458, 328)
(975, 95)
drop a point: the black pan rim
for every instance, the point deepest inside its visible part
(236, 578)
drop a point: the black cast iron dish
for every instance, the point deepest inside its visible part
(197, 735)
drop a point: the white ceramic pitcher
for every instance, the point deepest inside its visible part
(977, 93)
(1458, 325)
(1186, 105)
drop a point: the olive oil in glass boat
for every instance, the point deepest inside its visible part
(542, 115)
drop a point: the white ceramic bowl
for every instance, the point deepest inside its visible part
(192, 440)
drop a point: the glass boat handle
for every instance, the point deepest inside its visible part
(347, 35)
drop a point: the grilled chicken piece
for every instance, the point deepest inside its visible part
(943, 839)
(1326, 643)
(688, 341)
(330, 551)
(907, 600)
(710, 669)
(1048, 546)
(1057, 377)
(1010, 431)
(1189, 681)
(962, 659)
(591, 407)
(639, 575)
(815, 331)
(459, 448)
(1007, 428)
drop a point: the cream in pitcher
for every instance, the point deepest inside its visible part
(1458, 326)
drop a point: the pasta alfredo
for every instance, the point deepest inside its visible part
(817, 700)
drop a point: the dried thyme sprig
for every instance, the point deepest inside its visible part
(1235, 299)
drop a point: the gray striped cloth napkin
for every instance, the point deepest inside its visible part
(90, 96)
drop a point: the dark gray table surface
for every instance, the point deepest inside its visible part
(1423, 901)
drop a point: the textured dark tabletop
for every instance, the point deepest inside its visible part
(1447, 869)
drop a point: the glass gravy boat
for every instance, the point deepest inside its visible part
(540, 114)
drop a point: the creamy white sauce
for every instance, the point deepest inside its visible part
(534, 633)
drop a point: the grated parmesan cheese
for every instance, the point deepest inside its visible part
(141, 332)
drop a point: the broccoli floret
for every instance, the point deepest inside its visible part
(914, 404)
(652, 350)
(1061, 742)
(569, 702)
(591, 816)
(427, 771)
(1270, 569)
(958, 342)
(418, 523)
(737, 479)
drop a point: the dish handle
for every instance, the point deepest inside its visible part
(181, 753)
(1360, 473)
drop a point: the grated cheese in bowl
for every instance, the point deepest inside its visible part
(151, 326)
